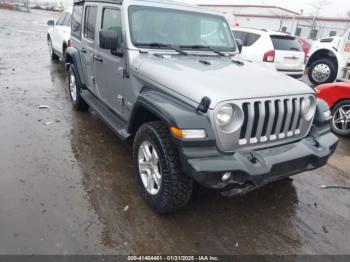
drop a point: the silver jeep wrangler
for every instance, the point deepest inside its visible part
(169, 76)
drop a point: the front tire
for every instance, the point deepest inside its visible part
(157, 168)
(74, 89)
(322, 71)
(340, 123)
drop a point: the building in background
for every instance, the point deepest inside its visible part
(281, 19)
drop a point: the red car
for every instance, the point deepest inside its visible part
(305, 44)
(337, 96)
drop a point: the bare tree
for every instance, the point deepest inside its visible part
(316, 14)
(317, 7)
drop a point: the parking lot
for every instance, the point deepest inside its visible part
(66, 182)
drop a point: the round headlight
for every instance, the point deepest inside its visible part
(308, 107)
(224, 115)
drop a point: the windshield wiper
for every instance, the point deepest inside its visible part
(161, 45)
(294, 48)
(207, 47)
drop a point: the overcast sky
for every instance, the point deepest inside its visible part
(331, 7)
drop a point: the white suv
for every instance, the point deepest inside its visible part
(58, 35)
(277, 50)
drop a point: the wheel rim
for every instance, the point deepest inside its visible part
(321, 73)
(341, 119)
(149, 168)
(72, 87)
(50, 47)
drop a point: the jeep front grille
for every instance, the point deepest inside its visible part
(266, 122)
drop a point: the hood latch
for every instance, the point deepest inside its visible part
(204, 105)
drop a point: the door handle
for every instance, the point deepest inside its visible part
(98, 58)
(83, 50)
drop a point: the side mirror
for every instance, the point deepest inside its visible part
(51, 23)
(109, 40)
(239, 43)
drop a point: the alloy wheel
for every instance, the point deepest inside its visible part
(149, 168)
(72, 87)
(341, 118)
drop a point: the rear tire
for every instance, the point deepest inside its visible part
(52, 52)
(155, 156)
(322, 71)
(338, 127)
(74, 89)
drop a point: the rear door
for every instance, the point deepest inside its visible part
(289, 55)
(249, 50)
(88, 45)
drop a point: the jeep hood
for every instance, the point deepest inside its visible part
(216, 77)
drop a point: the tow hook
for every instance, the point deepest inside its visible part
(252, 158)
(316, 143)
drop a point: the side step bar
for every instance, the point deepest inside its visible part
(110, 118)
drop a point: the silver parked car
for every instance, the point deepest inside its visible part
(169, 76)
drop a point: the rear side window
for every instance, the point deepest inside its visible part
(285, 43)
(252, 38)
(111, 20)
(90, 22)
(248, 39)
(76, 20)
(240, 35)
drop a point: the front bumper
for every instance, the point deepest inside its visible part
(252, 169)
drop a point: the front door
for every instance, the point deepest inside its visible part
(109, 69)
(88, 45)
(56, 35)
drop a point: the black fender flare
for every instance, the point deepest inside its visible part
(73, 57)
(172, 111)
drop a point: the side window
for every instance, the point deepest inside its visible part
(76, 20)
(241, 35)
(61, 19)
(252, 38)
(67, 20)
(90, 22)
(332, 33)
(313, 34)
(298, 31)
(111, 20)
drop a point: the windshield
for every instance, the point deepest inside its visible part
(151, 25)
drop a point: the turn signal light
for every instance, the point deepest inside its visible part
(188, 133)
(176, 132)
